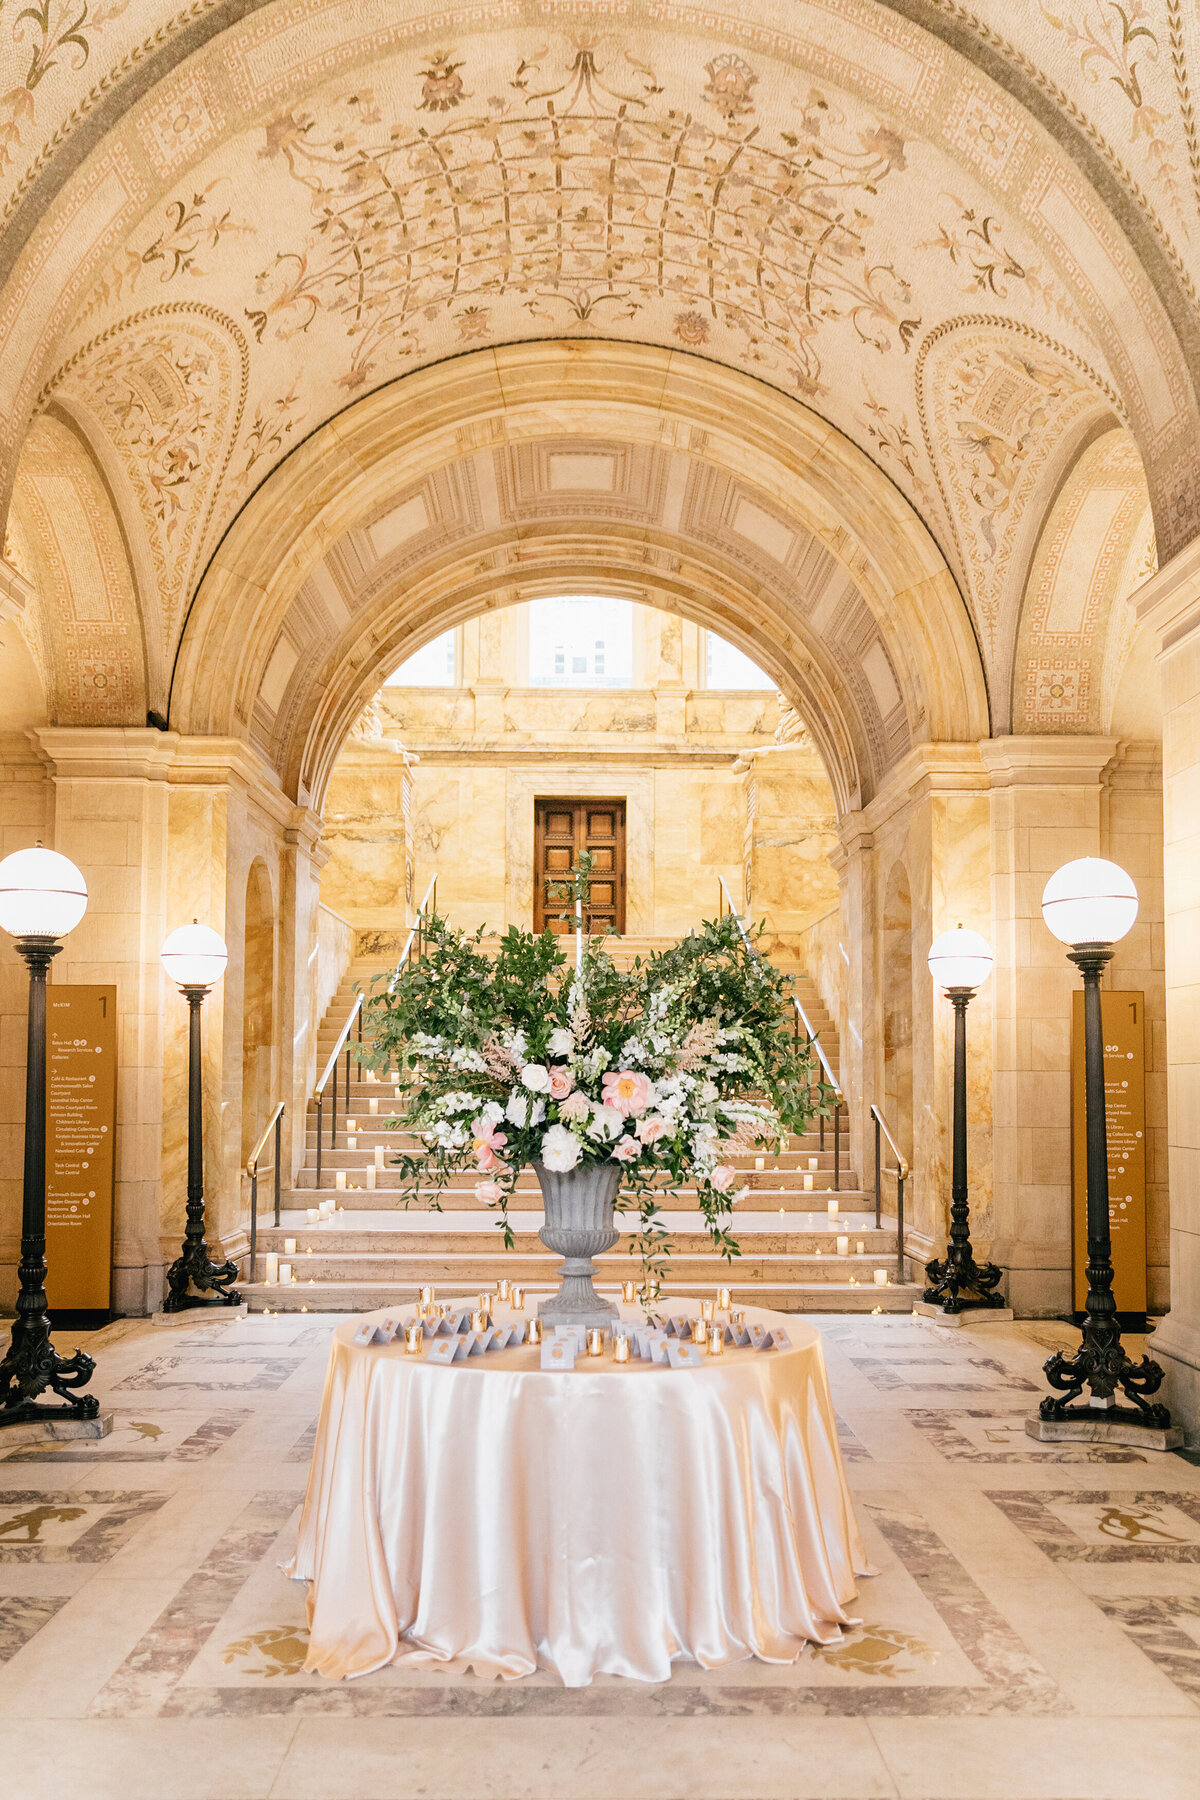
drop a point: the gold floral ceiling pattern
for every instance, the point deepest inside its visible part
(294, 204)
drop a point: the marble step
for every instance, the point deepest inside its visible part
(355, 1163)
(384, 1236)
(850, 1201)
(476, 1268)
(811, 1297)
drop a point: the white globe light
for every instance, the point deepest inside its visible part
(960, 959)
(1089, 901)
(42, 894)
(194, 956)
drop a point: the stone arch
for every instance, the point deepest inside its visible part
(509, 472)
(86, 614)
(258, 1006)
(1076, 627)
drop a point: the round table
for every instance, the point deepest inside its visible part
(606, 1520)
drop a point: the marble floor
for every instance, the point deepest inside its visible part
(1033, 1632)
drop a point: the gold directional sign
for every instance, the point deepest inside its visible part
(81, 1110)
(1124, 1019)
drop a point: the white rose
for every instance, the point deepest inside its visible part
(562, 1042)
(517, 1110)
(607, 1125)
(493, 1112)
(536, 1077)
(561, 1149)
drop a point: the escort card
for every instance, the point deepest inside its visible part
(456, 1323)
(685, 1356)
(558, 1352)
(659, 1347)
(444, 1350)
(366, 1333)
(780, 1340)
(737, 1334)
(388, 1326)
(759, 1336)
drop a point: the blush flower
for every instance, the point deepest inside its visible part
(628, 1150)
(488, 1192)
(561, 1083)
(628, 1092)
(561, 1149)
(488, 1144)
(576, 1106)
(652, 1127)
(722, 1178)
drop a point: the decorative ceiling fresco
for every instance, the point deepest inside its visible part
(964, 238)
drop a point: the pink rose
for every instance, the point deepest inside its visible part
(627, 1150)
(652, 1127)
(722, 1178)
(561, 1083)
(627, 1092)
(489, 1192)
(575, 1106)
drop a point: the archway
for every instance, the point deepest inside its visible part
(258, 1007)
(896, 950)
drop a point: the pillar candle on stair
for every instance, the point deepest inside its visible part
(371, 1173)
(379, 1156)
(373, 1104)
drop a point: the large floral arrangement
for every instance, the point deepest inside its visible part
(670, 1069)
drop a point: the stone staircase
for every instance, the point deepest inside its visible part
(376, 1251)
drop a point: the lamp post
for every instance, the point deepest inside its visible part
(960, 962)
(1089, 905)
(42, 897)
(195, 958)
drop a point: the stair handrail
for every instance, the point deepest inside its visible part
(901, 1172)
(814, 1042)
(273, 1124)
(415, 936)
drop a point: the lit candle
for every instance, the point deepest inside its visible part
(723, 1298)
(398, 1094)
(860, 1248)
(479, 1321)
(760, 1162)
(285, 1273)
(289, 1246)
(428, 1296)
(534, 1334)
(516, 1299)
(351, 1141)
(372, 1171)
(706, 1309)
(813, 1162)
(699, 1331)
(843, 1246)
(502, 1290)
(716, 1341)
(339, 1182)
(595, 1341)
(272, 1269)
(484, 1303)
(808, 1183)
(351, 1126)
(314, 1213)
(373, 1104)
(881, 1278)
(413, 1338)
(832, 1209)
(628, 1292)
(737, 1316)
(379, 1156)
(621, 1349)
(370, 1075)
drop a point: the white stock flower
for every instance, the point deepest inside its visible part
(493, 1112)
(536, 1077)
(517, 1110)
(562, 1042)
(561, 1149)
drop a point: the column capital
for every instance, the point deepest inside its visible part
(107, 752)
(1046, 761)
(1169, 603)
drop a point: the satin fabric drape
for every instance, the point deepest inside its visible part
(603, 1521)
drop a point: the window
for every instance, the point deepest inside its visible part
(581, 641)
(436, 665)
(728, 667)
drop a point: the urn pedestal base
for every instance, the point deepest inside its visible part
(579, 1226)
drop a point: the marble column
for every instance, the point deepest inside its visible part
(1169, 604)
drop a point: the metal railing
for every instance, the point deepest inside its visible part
(801, 1020)
(415, 937)
(274, 1124)
(901, 1173)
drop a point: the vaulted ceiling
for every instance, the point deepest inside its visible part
(965, 236)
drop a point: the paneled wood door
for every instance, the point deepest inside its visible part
(563, 830)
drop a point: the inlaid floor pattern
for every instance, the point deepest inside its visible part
(376, 1252)
(1032, 1633)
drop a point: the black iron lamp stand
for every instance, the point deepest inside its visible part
(957, 1281)
(31, 1364)
(194, 1279)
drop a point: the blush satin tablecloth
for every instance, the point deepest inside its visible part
(603, 1521)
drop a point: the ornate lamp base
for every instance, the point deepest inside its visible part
(1101, 1364)
(31, 1366)
(195, 1270)
(958, 1283)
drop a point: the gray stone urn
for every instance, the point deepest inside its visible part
(579, 1225)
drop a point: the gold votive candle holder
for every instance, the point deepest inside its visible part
(428, 1295)
(724, 1296)
(479, 1320)
(414, 1337)
(628, 1292)
(621, 1349)
(502, 1290)
(516, 1299)
(716, 1340)
(595, 1341)
(881, 1278)
(483, 1303)
(706, 1309)
(534, 1334)
(699, 1331)
(736, 1316)
(843, 1246)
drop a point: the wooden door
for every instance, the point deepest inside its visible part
(563, 830)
